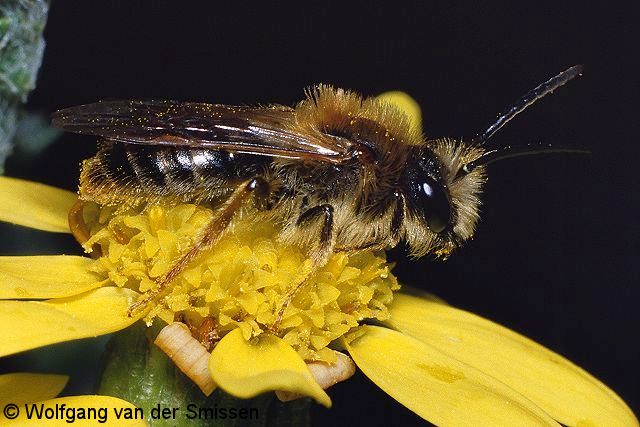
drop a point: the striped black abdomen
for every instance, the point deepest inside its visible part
(149, 171)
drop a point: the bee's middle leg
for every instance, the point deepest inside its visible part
(258, 187)
(319, 255)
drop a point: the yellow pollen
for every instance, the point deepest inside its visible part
(243, 280)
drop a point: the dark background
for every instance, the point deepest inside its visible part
(555, 254)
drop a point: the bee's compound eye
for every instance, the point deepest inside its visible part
(435, 205)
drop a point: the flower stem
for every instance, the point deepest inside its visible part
(137, 371)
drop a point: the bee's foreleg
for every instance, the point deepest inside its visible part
(397, 217)
(211, 234)
(395, 232)
(319, 255)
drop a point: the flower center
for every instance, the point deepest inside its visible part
(243, 281)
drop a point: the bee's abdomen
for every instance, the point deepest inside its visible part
(156, 171)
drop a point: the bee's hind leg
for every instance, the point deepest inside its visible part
(79, 229)
(211, 234)
(319, 255)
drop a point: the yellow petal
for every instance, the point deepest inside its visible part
(78, 411)
(43, 277)
(566, 392)
(266, 363)
(22, 388)
(35, 205)
(407, 105)
(437, 387)
(30, 324)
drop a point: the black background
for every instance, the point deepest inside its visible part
(555, 255)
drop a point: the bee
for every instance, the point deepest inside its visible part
(339, 172)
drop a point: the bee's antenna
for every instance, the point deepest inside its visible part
(528, 99)
(509, 152)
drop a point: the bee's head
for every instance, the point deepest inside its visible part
(445, 177)
(442, 207)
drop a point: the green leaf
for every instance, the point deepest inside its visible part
(21, 50)
(21, 46)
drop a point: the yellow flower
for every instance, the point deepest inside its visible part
(447, 365)
(244, 281)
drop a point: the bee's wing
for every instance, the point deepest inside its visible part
(269, 131)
